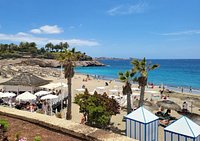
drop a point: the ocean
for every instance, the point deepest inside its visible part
(173, 73)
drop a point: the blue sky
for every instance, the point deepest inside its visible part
(111, 28)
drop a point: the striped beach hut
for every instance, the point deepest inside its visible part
(142, 125)
(183, 129)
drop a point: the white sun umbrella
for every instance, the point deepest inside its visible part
(41, 93)
(1, 94)
(135, 89)
(49, 97)
(26, 96)
(8, 95)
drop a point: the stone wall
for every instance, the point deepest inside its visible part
(64, 126)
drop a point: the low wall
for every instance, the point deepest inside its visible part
(61, 125)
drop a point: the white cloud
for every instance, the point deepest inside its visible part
(36, 31)
(47, 29)
(128, 9)
(188, 32)
(24, 37)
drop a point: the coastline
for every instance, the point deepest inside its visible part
(176, 89)
(92, 84)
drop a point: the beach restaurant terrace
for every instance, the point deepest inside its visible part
(24, 82)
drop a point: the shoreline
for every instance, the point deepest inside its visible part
(92, 84)
(176, 89)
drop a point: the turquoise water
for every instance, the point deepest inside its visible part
(175, 73)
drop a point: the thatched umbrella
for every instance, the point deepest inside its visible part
(26, 79)
(193, 116)
(167, 104)
(147, 104)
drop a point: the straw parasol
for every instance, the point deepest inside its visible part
(167, 104)
(191, 99)
(26, 79)
(193, 116)
(147, 104)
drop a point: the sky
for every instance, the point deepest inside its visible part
(155, 29)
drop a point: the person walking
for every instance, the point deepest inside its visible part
(190, 89)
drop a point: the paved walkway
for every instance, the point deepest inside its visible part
(65, 126)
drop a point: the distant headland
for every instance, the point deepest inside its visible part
(112, 58)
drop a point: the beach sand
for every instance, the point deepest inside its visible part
(77, 83)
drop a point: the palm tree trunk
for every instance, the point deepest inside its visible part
(129, 103)
(141, 96)
(69, 103)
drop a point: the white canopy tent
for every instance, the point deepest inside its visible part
(49, 97)
(182, 130)
(54, 85)
(41, 93)
(142, 125)
(57, 86)
(26, 96)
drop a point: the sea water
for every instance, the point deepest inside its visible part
(174, 73)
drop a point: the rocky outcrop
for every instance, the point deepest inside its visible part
(88, 63)
(47, 62)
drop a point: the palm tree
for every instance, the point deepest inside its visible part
(69, 73)
(127, 77)
(49, 46)
(141, 69)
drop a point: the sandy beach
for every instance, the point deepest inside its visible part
(92, 84)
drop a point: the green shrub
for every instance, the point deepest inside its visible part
(37, 138)
(98, 108)
(4, 124)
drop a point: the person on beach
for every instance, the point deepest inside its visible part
(83, 119)
(185, 107)
(182, 89)
(190, 89)
(106, 83)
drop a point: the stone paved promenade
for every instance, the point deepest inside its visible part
(64, 126)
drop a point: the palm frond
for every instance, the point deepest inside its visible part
(120, 73)
(122, 78)
(127, 74)
(154, 66)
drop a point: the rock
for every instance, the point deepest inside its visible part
(47, 62)
(88, 63)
